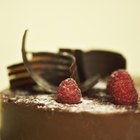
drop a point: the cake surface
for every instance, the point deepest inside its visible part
(48, 102)
(40, 116)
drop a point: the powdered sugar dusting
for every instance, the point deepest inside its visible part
(48, 102)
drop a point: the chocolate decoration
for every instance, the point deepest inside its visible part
(19, 76)
(79, 61)
(102, 62)
(23, 83)
(57, 60)
(49, 69)
(45, 84)
(97, 62)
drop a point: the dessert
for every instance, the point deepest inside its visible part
(31, 113)
(40, 116)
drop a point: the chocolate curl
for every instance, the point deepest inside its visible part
(57, 62)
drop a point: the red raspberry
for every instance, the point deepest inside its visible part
(68, 92)
(116, 76)
(121, 87)
(124, 93)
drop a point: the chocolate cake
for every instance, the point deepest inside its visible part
(32, 111)
(36, 117)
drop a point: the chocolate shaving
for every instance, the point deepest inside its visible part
(45, 84)
(39, 80)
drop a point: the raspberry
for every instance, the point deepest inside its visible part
(116, 76)
(121, 87)
(68, 92)
(124, 93)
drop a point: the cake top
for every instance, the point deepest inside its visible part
(48, 102)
